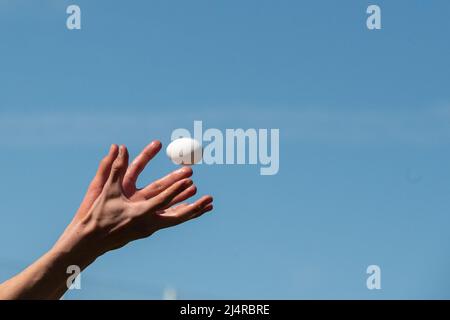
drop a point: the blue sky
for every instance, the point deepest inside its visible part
(364, 119)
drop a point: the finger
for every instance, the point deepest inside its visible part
(183, 213)
(206, 209)
(186, 194)
(162, 184)
(97, 184)
(164, 198)
(181, 205)
(199, 212)
(119, 166)
(139, 163)
(104, 169)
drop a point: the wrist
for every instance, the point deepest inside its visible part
(76, 246)
(47, 277)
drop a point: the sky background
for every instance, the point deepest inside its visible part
(364, 119)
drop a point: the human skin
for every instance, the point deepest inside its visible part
(113, 213)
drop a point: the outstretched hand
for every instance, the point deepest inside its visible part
(131, 176)
(115, 212)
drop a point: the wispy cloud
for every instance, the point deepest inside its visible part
(396, 126)
(423, 127)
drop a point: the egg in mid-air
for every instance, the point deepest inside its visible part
(185, 151)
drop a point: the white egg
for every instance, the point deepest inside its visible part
(185, 151)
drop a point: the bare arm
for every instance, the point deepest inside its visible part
(113, 213)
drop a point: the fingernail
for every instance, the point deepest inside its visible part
(155, 143)
(188, 182)
(121, 150)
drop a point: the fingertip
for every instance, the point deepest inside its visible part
(184, 171)
(109, 158)
(156, 144)
(188, 170)
(123, 152)
(201, 203)
(205, 209)
(187, 182)
(113, 149)
(207, 199)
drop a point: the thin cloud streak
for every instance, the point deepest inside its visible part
(313, 125)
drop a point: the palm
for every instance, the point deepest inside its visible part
(129, 187)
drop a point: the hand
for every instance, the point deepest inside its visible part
(114, 212)
(129, 182)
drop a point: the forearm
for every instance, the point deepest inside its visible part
(109, 217)
(47, 277)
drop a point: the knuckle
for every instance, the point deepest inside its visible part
(117, 165)
(104, 162)
(162, 201)
(158, 186)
